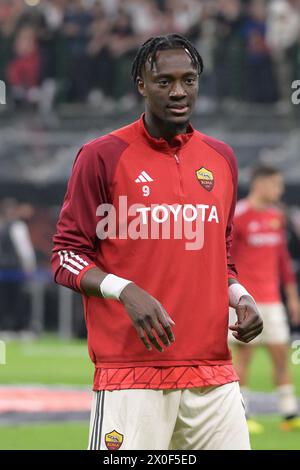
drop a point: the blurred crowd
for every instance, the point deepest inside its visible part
(55, 51)
(27, 291)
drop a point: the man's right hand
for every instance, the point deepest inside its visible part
(148, 317)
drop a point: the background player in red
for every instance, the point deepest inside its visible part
(152, 205)
(264, 264)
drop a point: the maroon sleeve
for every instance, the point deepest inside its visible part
(75, 241)
(232, 272)
(226, 151)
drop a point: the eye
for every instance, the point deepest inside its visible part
(190, 80)
(163, 82)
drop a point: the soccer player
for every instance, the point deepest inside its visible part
(263, 263)
(145, 235)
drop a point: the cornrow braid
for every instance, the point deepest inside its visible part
(148, 50)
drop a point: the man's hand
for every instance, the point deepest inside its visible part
(249, 323)
(148, 316)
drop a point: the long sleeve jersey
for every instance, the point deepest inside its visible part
(160, 214)
(260, 251)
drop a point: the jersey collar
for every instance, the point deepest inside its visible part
(161, 144)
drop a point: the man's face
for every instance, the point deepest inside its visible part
(170, 89)
(271, 188)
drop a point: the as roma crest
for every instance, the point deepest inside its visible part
(205, 178)
(113, 440)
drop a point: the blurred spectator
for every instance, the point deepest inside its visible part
(260, 78)
(283, 32)
(76, 30)
(17, 262)
(10, 11)
(101, 62)
(229, 49)
(23, 71)
(147, 18)
(123, 44)
(183, 16)
(52, 52)
(110, 7)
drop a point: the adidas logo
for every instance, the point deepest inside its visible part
(143, 178)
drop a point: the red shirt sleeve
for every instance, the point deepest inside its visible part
(76, 241)
(232, 161)
(75, 238)
(231, 269)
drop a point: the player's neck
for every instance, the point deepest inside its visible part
(160, 129)
(257, 202)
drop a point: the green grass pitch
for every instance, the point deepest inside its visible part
(51, 361)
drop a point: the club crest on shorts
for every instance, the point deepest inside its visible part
(113, 440)
(205, 178)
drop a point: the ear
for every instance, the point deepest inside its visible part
(141, 87)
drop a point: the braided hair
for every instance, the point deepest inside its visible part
(148, 50)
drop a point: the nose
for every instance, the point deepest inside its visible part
(177, 91)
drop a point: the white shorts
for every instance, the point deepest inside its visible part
(276, 328)
(211, 418)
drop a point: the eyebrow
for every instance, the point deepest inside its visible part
(168, 75)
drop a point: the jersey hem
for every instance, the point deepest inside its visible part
(191, 363)
(129, 386)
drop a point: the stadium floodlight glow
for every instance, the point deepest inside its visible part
(2, 92)
(2, 353)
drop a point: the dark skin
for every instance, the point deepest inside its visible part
(170, 91)
(151, 321)
(249, 323)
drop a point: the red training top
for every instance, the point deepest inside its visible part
(260, 251)
(167, 226)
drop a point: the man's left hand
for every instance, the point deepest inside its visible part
(249, 322)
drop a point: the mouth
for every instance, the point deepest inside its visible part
(178, 110)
